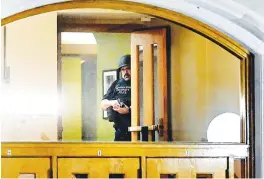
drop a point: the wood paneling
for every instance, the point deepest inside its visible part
(123, 149)
(98, 167)
(187, 167)
(13, 167)
(130, 159)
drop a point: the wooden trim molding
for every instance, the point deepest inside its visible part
(113, 149)
(112, 28)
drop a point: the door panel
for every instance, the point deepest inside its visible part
(98, 167)
(187, 167)
(25, 167)
(150, 41)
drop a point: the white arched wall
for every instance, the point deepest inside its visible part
(243, 24)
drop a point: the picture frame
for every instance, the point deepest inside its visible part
(109, 76)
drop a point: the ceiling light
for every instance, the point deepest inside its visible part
(77, 38)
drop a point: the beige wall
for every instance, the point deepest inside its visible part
(30, 96)
(71, 80)
(205, 82)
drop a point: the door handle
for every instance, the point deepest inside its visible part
(158, 127)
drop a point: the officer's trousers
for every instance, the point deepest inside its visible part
(122, 135)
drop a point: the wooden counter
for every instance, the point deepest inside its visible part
(134, 159)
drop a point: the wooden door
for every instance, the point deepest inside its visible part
(25, 168)
(152, 44)
(187, 168)
(98, 167)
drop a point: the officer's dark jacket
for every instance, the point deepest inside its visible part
(121, 89)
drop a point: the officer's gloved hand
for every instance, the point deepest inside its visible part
(112, 114)
(121, 110)
(123, 102)
(114, 102)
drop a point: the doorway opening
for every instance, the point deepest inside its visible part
(79, 90)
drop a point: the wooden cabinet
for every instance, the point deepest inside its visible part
(187, 167)
(121, 160)
(26, 168)
(98, 167)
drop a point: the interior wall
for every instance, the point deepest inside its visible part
(205, 82)
(110, 47)
(79, 91)
(79, 49)
(71, 91)
(31, 95)
(208, 81)
(223, 82)
(89, 97)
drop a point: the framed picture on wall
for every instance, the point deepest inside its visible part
(109, 76)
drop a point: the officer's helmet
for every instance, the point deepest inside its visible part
(124, 61)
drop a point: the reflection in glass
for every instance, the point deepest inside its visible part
(224, 128)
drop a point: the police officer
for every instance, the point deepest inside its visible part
(117, 101)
